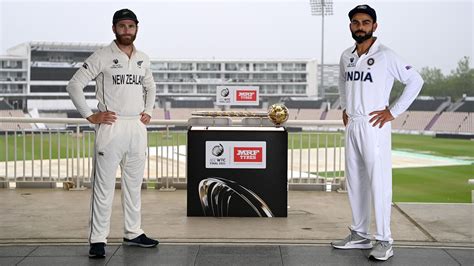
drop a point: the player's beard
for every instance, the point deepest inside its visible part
(362, 38)
(125, 39)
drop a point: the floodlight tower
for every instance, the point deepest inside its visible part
(322, 8)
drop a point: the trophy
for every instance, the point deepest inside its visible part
(277, 113)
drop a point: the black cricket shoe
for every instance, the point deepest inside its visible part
(141, 241)
(97, 250)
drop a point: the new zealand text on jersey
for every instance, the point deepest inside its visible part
(356, 75)
(127, 79)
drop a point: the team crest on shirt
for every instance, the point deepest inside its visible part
(370, 61)
(116, 64)
(139, 64)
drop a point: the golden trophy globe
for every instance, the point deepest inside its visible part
(278, 114)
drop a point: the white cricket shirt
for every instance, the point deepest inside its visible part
(123, 85)
(365, 82)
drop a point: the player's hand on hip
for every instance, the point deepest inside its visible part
(381, 117)
(145, 118)
(102, 118)
(345, 117)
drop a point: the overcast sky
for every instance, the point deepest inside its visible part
(424, 33)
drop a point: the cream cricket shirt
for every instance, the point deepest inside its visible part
(365, 82)
(123, 85)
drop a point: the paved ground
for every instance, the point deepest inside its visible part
(167, 254)
(49, 227)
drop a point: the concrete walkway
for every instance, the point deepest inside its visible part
(34, 221)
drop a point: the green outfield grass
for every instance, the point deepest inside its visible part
(436, 146)
(68, 142)
(447, 184)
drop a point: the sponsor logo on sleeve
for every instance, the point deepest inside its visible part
(408, 67)
(85, 65)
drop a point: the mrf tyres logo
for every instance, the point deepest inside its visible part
(246, 95)
(248, 154)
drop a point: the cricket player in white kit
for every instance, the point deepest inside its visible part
(367, 72)
(126, 93)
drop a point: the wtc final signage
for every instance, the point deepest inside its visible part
(236, 154)
(237, 95)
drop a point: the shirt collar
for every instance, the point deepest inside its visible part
(116, 49)
(372, 49)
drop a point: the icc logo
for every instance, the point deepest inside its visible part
(225, 92)
(218, 150)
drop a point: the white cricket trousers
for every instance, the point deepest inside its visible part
(369, 176)
(121, 144)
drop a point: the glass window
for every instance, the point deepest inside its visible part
(159, 66)
(287, 67)
(301, 66)
(300, 89)
(231, 67)
(186, 66)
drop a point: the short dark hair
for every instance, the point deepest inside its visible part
(124, 14)
(366, 9)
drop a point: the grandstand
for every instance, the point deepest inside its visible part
(305, 103)
(398, 123)
(415, 120)
(13, 126)
(428, 103)
(468, 124)
(451, 122)
(309, 114)
(334, 115)
(466, 104)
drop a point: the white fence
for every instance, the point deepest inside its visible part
(60, 157)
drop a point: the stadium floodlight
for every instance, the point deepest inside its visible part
(322, 8)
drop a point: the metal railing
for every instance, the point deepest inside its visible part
(64, 157)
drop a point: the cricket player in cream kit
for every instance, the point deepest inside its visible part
(367, 72)
(126, 93)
